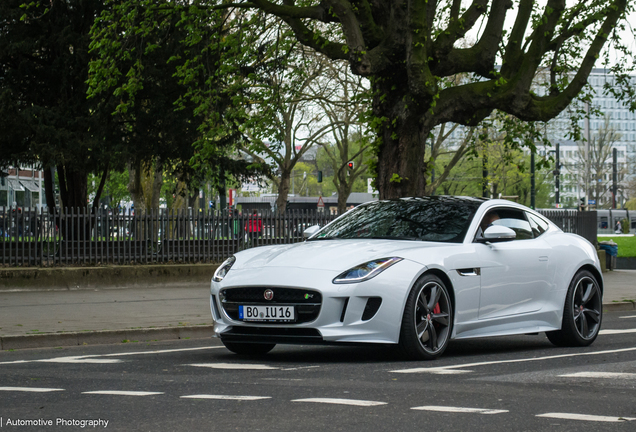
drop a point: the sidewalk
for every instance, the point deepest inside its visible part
(34, 319)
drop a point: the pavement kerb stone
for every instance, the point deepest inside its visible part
(78, 278)
(153, 334)
(105, 337)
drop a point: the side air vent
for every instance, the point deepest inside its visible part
(217, 315)
(344, 309)
(371, 308)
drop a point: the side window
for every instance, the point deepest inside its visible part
(538, 225)
(511, 218)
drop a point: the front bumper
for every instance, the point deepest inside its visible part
(365, 312)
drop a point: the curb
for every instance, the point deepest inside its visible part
(619, 306)
(123, 276)
(54, 340)
(105, 337)
(174, 285)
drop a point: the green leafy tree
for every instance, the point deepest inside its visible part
(115, 188)
(164, 67)
(411, 51)
(45, 116)
(284, 119)
(344, 98)
(507, 168)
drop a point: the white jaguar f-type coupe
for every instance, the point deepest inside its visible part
(414, 272)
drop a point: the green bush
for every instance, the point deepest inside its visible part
(625, 226)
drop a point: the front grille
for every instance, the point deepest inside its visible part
(306, 302)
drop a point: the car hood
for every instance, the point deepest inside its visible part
(328, 254)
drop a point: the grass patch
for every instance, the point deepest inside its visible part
(626, 245)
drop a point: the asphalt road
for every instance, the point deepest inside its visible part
(519, 383)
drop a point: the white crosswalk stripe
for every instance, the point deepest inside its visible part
(30, 389)
(337, 401)
(122, 393)
(615, 332)
(459, 409)
(614, 375)
(236, 366)
(225, 397)
(585, 417)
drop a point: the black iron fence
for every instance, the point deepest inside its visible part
(85, 237)
(582, 223)
(94, 237)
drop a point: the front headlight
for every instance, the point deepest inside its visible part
(366, 271)
(221, 272)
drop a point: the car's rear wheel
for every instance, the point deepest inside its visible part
(427, 321)
(582, 314)
(253, 349)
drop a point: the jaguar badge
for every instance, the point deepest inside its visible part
(268, 294)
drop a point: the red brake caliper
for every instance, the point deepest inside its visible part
(436, 309)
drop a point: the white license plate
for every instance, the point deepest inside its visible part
(267, 313)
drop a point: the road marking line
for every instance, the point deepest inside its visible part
(459, 410)
(95, 358)
(613, 332)
(629, 316)
(453, 367)
(600, 375)
(341, 401)
(300, 367)
(159, 351)
(79, 359)
(122, 393)
(30, 389)
(233, 366)
(585, 417)
(226, 397)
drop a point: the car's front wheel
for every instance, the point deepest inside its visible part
(253, 349)
(582, 313)
(427, 321)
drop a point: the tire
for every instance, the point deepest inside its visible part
(427, 322)
(582, 313)
(253, 349)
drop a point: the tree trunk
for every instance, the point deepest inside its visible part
(135, 187)
(344, 190)
(342, 200)
(74, 193)
(144, 185)
(49, 188)
(283, 192)
(401, 167)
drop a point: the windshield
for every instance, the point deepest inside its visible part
(436, 219)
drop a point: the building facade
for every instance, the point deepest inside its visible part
(23, 187)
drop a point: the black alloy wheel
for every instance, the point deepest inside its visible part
(582, 314)
(428, 320)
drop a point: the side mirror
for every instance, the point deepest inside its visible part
(311, 231)
(499, 233)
